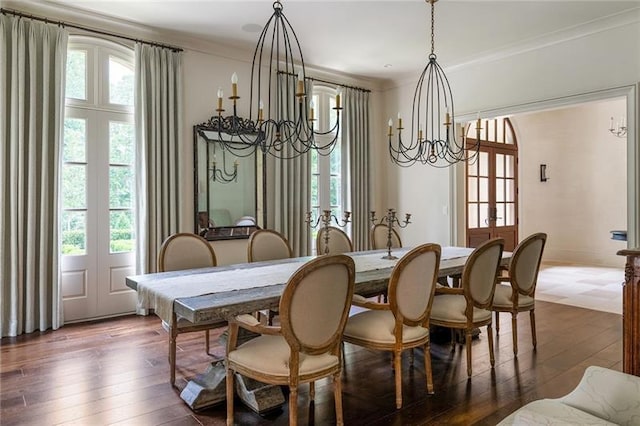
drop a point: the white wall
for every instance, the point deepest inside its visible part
(585, 196)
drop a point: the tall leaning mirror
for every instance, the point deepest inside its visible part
(229, 189)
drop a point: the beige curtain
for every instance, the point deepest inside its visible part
(291, 190)
(355, 135)
(32, 71)
(158, 102)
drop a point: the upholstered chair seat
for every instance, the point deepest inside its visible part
(403, 322)
(468, 307)
(306, 346)
(453, 308)
(503, 298)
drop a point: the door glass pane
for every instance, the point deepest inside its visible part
(473, 168)
(121, 183)
(484, 215)
(510, 190)
(499, 165)
(492, 130)
(510, 214)
(483, 163)
(73, 228)
(121, 143)
(484, 190)
(334, 190)
(75, 137)
(500, 190)
(73, 190)
(473, 189)
(509, 166)
(335, 160)
(120, 82)
(500, 214)
(472, 217)
(76, 81)
(314, 190)
(332, 112)
(121, 235)
(314, 161)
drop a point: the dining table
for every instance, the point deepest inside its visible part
(219, 293)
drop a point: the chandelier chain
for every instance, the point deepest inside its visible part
(433, 21)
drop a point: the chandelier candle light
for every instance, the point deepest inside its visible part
(326, 218)
(284, 127)
(391, 220)
(433, 131)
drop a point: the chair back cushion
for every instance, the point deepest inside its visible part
(266, 244)
(315, 304)
(339, 242)
(379, 236)
(481, 271)
(525, 263)
(185, 251)
(413, 282)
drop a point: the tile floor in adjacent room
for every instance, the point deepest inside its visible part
(587, 286)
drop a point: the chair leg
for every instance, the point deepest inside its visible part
(497, 322)
(312, 391)
(492, 358)
(229, 397)
(337, 396)
(514, 331)
(411, 357)
(397, 360)
(427, 367)
(206, 342)
(467, 336)
(453, 339)
(532, 316)
(293, 405)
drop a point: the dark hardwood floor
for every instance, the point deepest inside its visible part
(116, 372)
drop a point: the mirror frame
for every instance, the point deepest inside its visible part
(218, 126)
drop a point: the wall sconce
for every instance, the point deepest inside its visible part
(543, 173)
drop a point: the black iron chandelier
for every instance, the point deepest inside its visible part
(218, 171)
(284, 127)
(433, 131)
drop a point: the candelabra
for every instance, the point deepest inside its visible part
(326, 218)
(391, 220)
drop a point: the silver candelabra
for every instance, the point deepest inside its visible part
(391, 220)
(325, 218)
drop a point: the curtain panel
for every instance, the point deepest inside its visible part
(158, 105)
(292, 185)
(32, 76)
(355, 134)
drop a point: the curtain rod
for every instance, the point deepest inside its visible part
(83, 28)
(329, 82)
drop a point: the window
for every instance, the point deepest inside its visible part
(327, 171)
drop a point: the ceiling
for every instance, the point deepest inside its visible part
(379, 39)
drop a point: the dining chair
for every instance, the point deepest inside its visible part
(306, 346)
(267, 244)
(339, 241)
(185, 251)
(518, 294)
(469, 306)
(379, 237)
(403, 322)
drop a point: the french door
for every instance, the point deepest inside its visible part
(492, 186)
(97, 192)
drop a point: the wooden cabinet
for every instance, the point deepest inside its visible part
(631, 312)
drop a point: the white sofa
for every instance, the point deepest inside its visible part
(603, 397)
